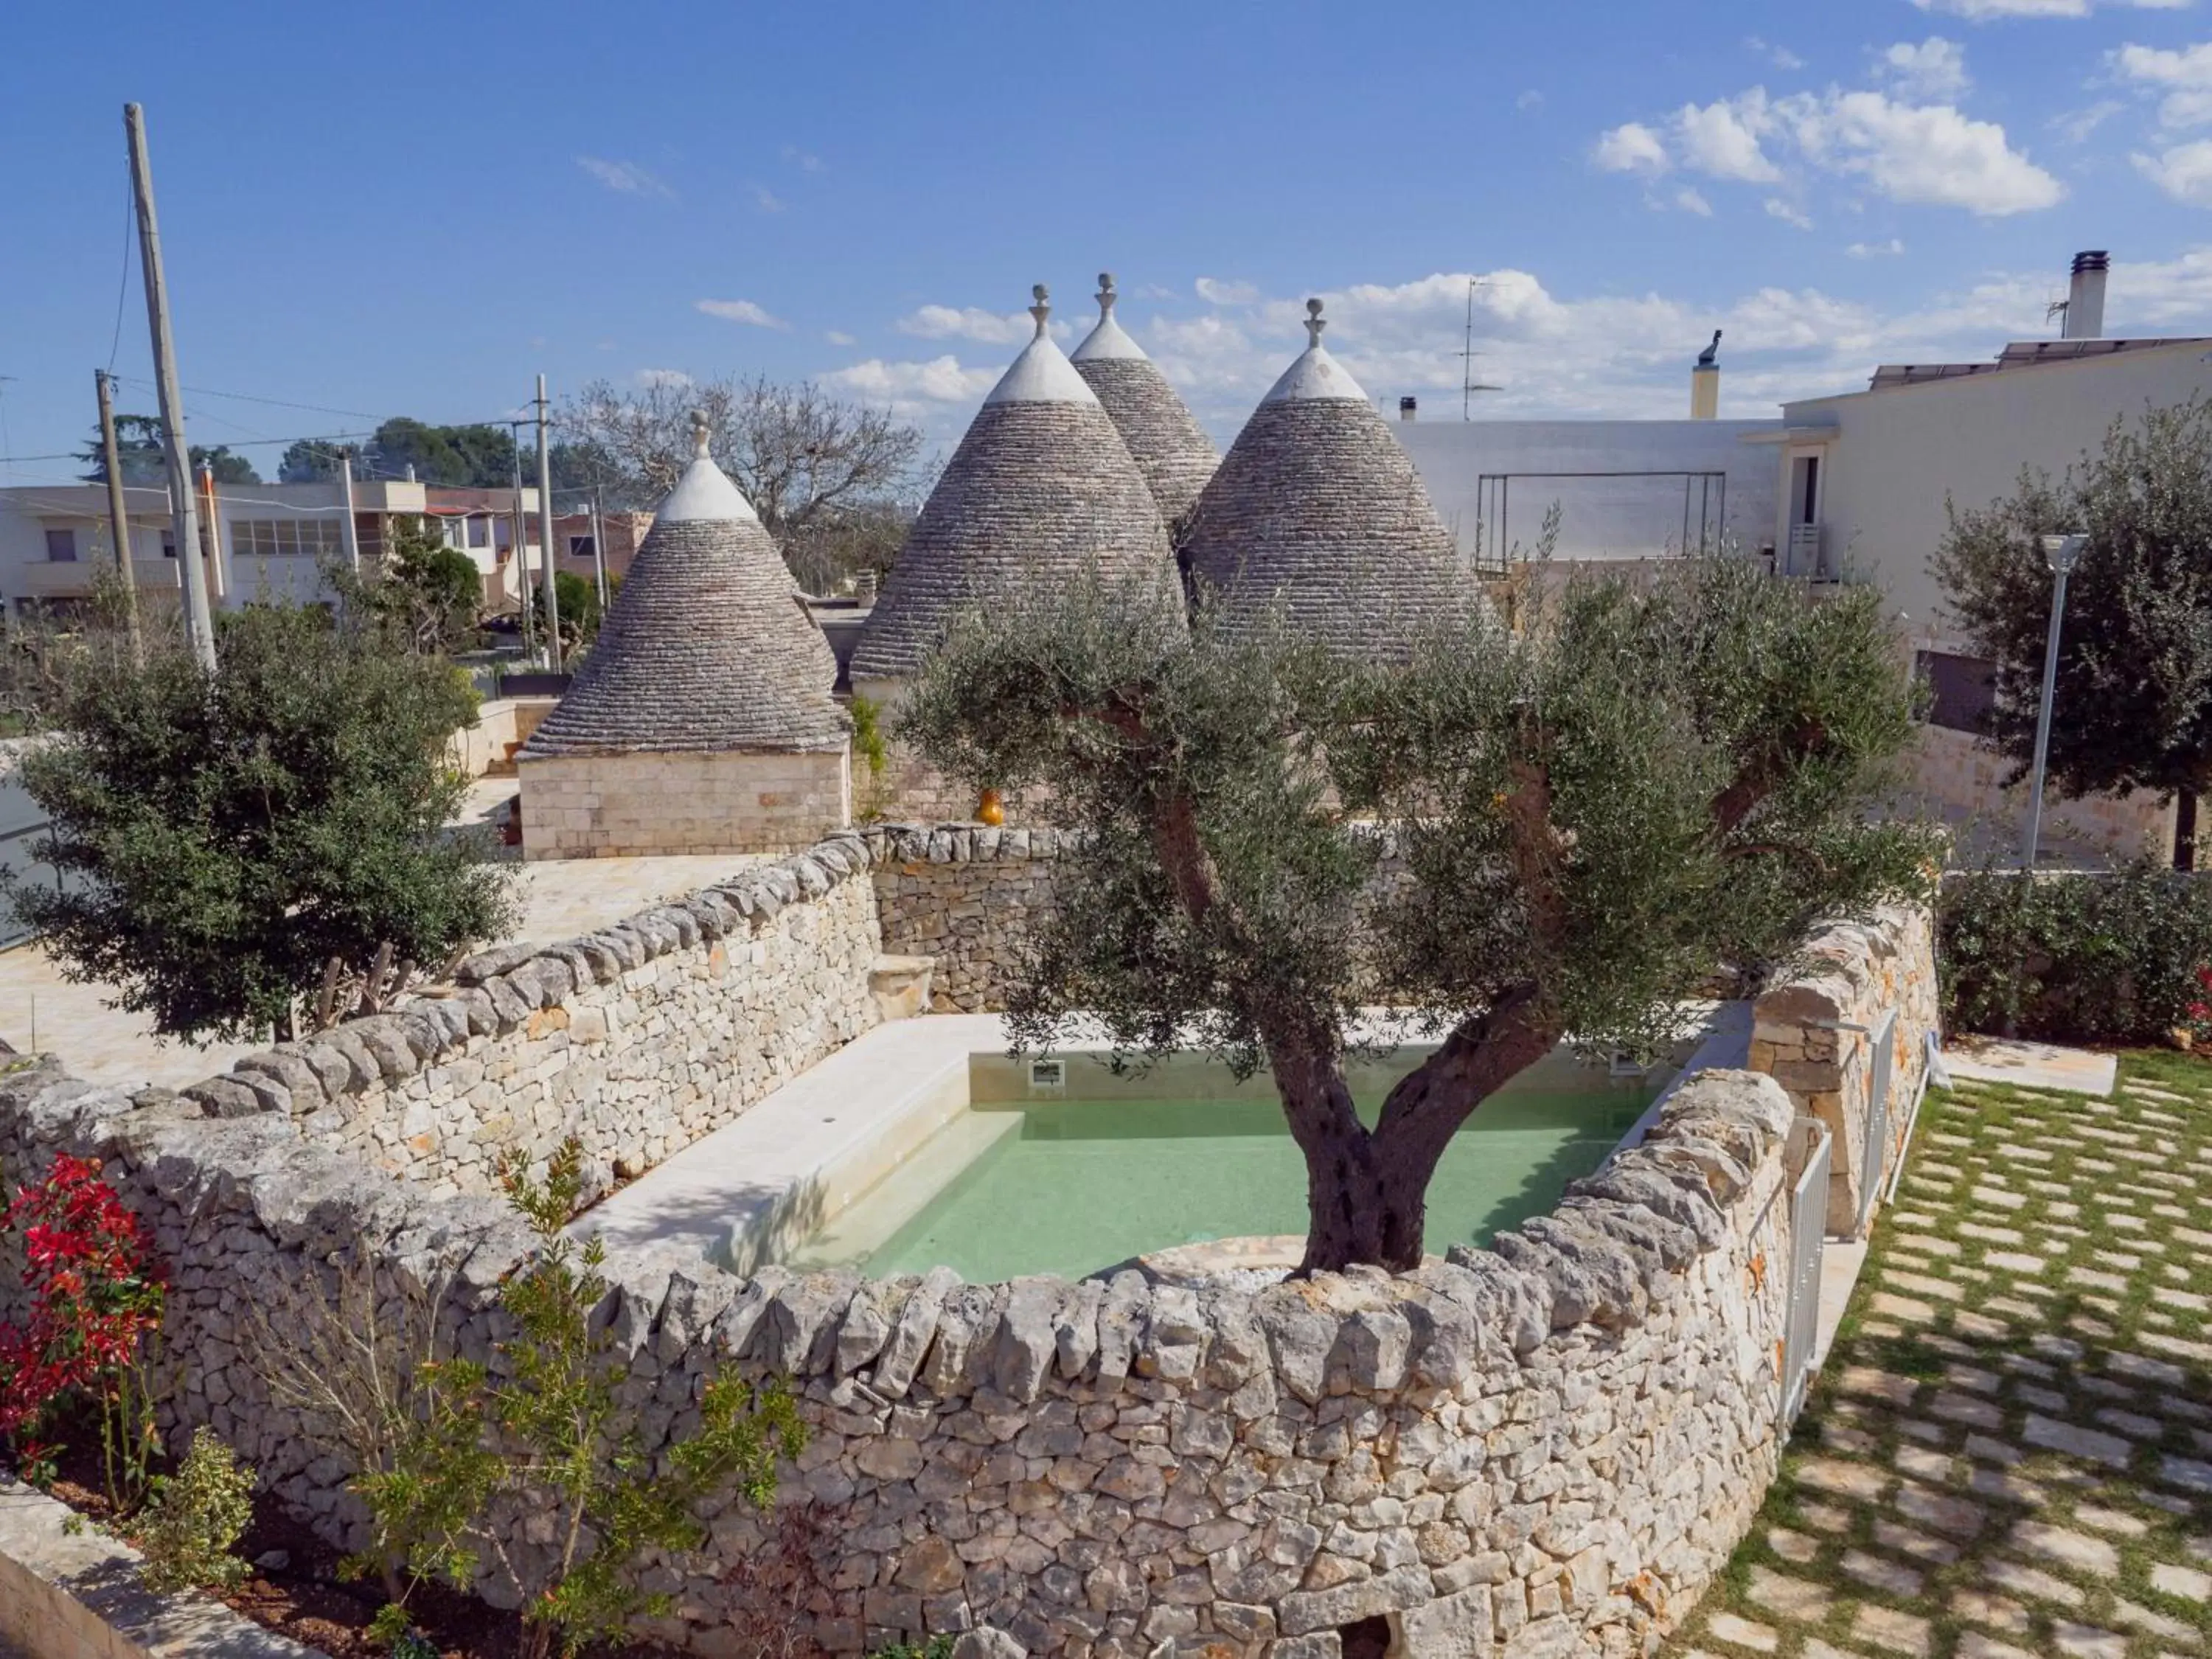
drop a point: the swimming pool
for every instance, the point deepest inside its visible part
(1111, 1168)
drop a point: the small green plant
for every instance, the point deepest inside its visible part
(541, 1427)
(394, 1631)
(871, 749)
(937, 1647)
(188, 1534)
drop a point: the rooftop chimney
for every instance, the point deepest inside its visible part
(1405, 408)
(2085, 296)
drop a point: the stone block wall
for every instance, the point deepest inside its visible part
(1849, 974)
(640, 805)
(1955, 772)
(638, 1039)
(1542, 1448)
(964, 894)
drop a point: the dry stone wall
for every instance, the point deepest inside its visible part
(1542, 1448)
(1813, 1033)
(965, 894)
(637, 1039)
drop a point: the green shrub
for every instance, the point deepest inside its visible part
(190, 1532)
(937, 1647)
(2079, 958)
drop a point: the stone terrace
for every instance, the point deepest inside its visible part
(2010, 1452)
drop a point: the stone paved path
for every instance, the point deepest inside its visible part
(2009, 1450)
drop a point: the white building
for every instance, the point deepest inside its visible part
(273, 540)
(1625, 489)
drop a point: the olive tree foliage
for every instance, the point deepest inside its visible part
(263, 847)
(830, 478)
(1508, 840)
(2132, 706)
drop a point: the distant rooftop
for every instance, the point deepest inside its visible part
(2023, 354)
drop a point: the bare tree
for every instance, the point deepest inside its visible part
(826, 476)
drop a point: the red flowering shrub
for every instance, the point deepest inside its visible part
(95, 1296)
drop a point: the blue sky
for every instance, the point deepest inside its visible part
(415, 209)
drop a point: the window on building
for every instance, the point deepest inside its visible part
(272, 539)
(452, 530)
(582, 547)
(61, 546)
(479, 531)
(1963, 687)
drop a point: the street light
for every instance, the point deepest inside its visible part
(2060, 553)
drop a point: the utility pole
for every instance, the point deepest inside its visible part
(119, 516)
(348, 531)
(599, 548)
(199, 623)
(521, 541)
(545, 524)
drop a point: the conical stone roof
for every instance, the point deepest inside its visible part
(1041, 486)
(1317, 507)
(708, 646)
(1165, 441)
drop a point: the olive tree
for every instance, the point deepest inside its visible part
(1505, 841)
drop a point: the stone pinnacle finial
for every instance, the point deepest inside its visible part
(1315, 322)
(1042, 308)
(699, 433)
(1106, 295)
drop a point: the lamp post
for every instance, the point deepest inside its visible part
(2060, 553)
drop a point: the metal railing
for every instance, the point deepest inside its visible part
(1806, 555)
(1809, 1211)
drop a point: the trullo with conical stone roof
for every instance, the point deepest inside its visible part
(1317, 509)
(1164, 439)
(1041, 487)
(702, 720)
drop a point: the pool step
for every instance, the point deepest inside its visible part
(872, 1220)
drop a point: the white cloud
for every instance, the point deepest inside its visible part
(1788, 213)
(1887, 250)
(2184, 171)
(803, 161)
(837, 336)
(650, 378)
(1780, 55)
(1215, 292)
(1928, 154)
(967, 323)
(1921, 153)
(625, 177)
(1630, 147)
(765, 199)
(1934, 71)
(1722, 139)
(1691, 201)
(2076, 125)
(2185, 74)
(1988, 11)
(914, 388)
(741, 311)
(1530, 99)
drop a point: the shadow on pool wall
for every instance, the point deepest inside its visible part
(1548, 1446)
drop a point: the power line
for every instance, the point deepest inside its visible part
(280, 402)
(123, 282)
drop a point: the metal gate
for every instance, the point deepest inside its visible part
(1874, 1149)
(1808, 1213)
(23, 826)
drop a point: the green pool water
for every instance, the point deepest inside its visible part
(1087, 1183)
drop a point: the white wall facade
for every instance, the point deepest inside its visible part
(1889, 460)
(1462, 463)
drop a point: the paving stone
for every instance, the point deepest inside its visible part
(1880, 1572)
(2013, 1261)
(1992, 1451)
(1873, 1384)
(2004, 1485)
(1886, 1627)
(2120, 1525)
(2134, 1424)
(1741, 1632)
(1990, 1235)
(2031, 1582)
(1982, 1327)
(1953, 1517)
(1864, 1481)
(1919, 1428)
(1973, 1644)
(1785, 1598)
(1917, 1545)
(2088, 1641)
(2185, 1472)
(1954, 1406)
(1900, 1307)
(2107, 1449)
(2155, 1624)
(2043, 1400)
(1924, 1464)
(2069, 1549)
(1792, 1546)
(1841, 1437)
(1926, 1244)
(2003, 1201)
(1991, 1610)
(2181, 1580)
(1824, 1518)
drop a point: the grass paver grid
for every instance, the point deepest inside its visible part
(2008, 1452)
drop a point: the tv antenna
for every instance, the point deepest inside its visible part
(1468, 386)
(2055, 311)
